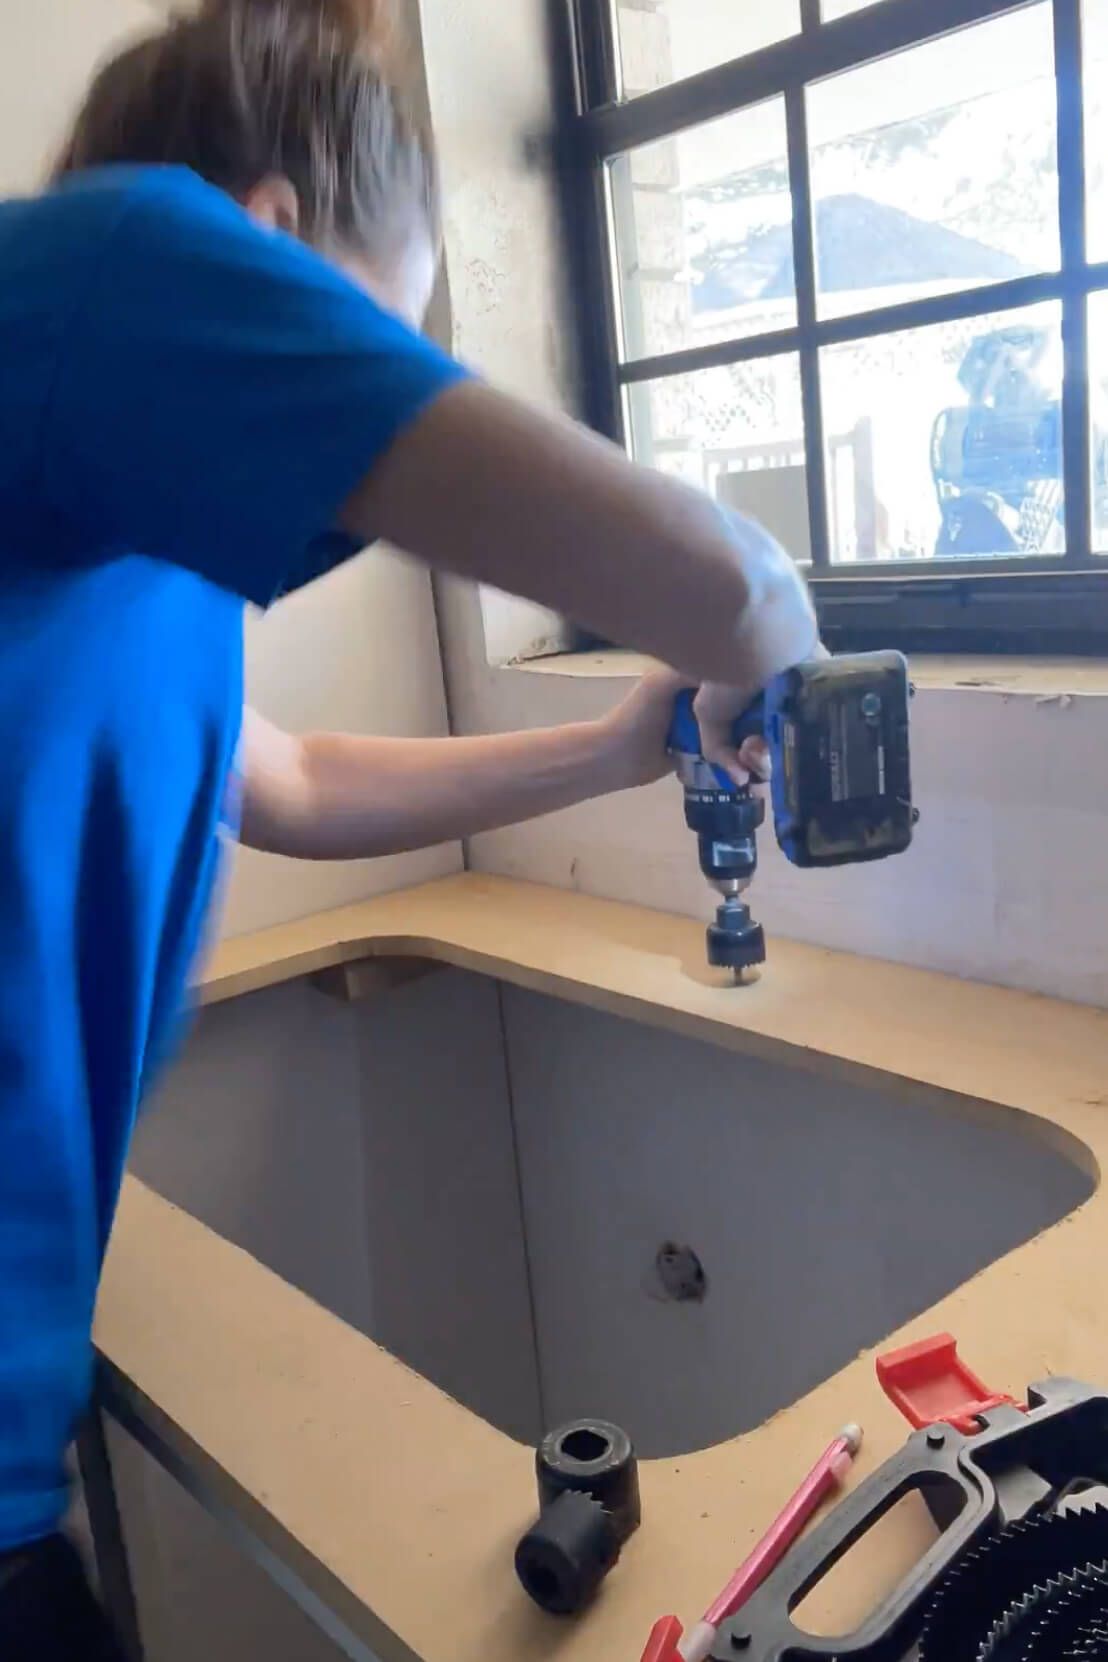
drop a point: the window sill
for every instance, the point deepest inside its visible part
(1037, 677)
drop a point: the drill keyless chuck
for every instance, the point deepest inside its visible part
(725, 824)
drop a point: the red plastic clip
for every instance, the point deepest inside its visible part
(662, 1645)
(930, 1382)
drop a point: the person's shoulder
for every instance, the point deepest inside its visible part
(179, 228)
(111, 194)
(90, 206)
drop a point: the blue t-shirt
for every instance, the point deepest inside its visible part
(186, 401)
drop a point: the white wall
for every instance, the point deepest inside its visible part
(358, 651)
(48, 49)
(1005, 881)
(490, 97)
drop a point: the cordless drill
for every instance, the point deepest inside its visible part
(837, 731)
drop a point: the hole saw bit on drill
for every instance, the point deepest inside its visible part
(725, 818)
(837, 731)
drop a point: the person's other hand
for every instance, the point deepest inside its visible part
(638, 728)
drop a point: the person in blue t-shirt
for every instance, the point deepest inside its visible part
(213, 390)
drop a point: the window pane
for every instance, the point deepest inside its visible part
(1098, 414)
(840, 8)
(946, 442)
(703, 249)
(937, 169)
(1094, 45)
(665, 40)
(738, 432)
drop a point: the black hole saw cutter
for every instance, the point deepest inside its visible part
(837, 731)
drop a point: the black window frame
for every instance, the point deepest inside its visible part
(1030, 604)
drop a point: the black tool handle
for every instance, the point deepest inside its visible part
(929, 1463)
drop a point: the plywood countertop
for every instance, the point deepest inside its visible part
(404, 1507)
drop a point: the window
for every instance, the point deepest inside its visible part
(844, 264)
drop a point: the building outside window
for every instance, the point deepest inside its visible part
(848, 274)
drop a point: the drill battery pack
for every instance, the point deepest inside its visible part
(1020, 1570)
(838, 732)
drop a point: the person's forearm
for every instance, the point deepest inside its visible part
(486, 487)
(358, 797)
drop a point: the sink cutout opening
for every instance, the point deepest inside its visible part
(554, 1214)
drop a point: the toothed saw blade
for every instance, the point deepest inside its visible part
(994, 1579)
(1056, 1622)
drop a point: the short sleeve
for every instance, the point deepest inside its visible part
(222, 391)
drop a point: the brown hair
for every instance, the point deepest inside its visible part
(308, 89)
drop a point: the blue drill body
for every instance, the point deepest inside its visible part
(837, 732)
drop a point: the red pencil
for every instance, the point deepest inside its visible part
(827, 1473)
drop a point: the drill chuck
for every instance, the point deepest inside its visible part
(725, 824)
